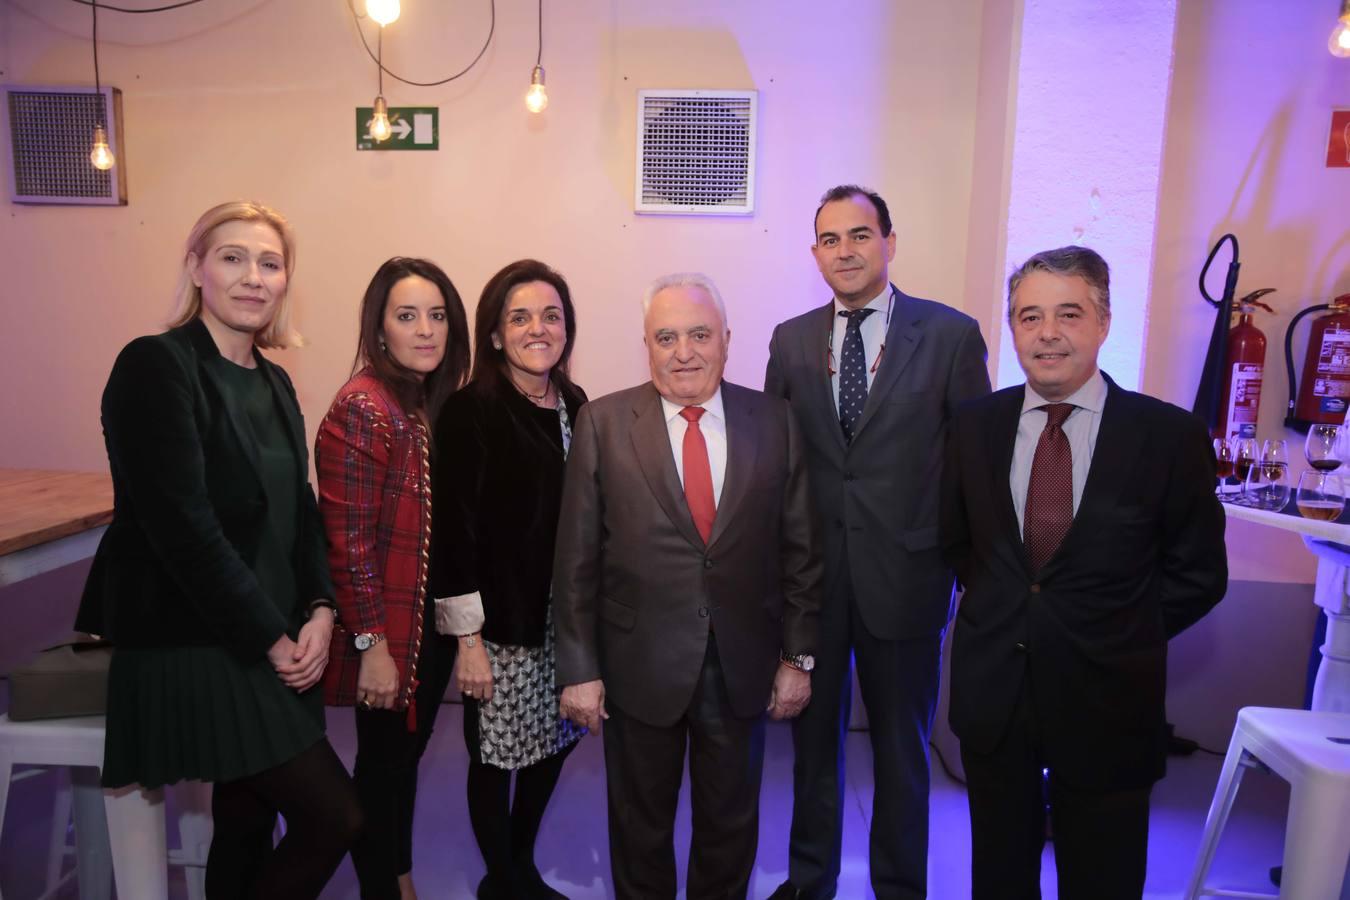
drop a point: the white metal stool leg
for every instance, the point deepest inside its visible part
(193, 799)
(1316, 842)
(56, 837)
(1225, 792)
(136, 833)
(93, 859)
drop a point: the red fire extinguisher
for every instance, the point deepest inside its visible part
(1323, 394)
(1245, 367)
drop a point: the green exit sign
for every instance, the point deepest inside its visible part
(414, 128)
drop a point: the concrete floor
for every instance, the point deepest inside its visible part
(574, 856)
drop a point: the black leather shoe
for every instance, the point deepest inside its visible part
(788, 891)
(530, 885)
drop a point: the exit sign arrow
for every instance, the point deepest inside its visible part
(411, 127)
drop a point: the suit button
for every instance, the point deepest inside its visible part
(848, 476)
(1021, 647)
(1035, 588)
(703, 612)
(707, 563)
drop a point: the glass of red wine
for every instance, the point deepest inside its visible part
(1322, 447)
(1244, 457)
(1223, 463)
(1321, 496)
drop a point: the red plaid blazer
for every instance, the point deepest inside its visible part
(375, 500)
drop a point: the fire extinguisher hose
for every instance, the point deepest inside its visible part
(1289, 420)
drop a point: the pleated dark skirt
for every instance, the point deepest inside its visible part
(203, 714)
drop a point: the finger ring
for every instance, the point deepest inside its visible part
(363, 704)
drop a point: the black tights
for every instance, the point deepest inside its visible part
(504, 828)
(315, 796)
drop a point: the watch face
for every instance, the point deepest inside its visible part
(808, 662)
(363, 641)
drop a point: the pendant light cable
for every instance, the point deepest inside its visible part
(492, 28)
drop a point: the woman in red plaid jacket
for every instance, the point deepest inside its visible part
(373, 459)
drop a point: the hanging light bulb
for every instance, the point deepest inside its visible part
(536, 98)
(380, 128)
(385, 12)
(1339, 42)
(101, 156)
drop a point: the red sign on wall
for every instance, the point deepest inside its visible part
(1338, 144)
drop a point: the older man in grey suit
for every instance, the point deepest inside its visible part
(686, 590)
(874, 377)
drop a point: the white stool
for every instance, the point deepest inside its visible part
(135, 818)
(1311, 751)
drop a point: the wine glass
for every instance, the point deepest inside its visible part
(1223, 463)
(1275, 452)
(1321, 496)
(1244, 455)
(1321, 448)
(1267, 486)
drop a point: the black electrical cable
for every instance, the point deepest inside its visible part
(98, 84)
(539, 57)
(123, 9)
(492, 28)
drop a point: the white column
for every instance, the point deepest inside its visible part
(1089, 115)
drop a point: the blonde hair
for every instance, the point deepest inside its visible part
(188, 297)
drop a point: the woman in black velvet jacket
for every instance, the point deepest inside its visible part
(497, 488)
(212, 581)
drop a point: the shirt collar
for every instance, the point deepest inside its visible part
(712, 407)
(879, 302)
(1091, 396)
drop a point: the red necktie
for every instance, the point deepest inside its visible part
(698, 486)
(1049, 508)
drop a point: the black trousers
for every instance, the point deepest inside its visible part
(387, 755)
(644, 765)
(899, 683)
(1101, 837)
(315, 796)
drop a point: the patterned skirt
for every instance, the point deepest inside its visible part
(520, 725)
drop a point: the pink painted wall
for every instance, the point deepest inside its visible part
(242, 98)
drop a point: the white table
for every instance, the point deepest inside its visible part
(1330, 543)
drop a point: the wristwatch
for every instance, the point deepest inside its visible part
(802, 662)
(367, 639)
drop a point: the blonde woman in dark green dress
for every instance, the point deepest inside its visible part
(212, 580)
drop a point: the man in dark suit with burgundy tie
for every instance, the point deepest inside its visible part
(1081, 519)
(686, 594)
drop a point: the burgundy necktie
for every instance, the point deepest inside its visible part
(698, 486)
(1049, 508)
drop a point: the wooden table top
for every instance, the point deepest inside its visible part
(39, 505)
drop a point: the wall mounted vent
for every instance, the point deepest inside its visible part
(50, 130)
(696, 152)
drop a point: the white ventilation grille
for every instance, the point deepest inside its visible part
(50, 131)
(696, 152)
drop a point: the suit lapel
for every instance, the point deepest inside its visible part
(902, 339)
(742, 448)
(816, 341)
(651, 442)
(1003, 431)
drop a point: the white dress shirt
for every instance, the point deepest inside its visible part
(713, 424)
(873, 330)
(1080, 428)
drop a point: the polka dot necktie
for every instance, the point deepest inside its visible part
(852, 372)
(1049, 509)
